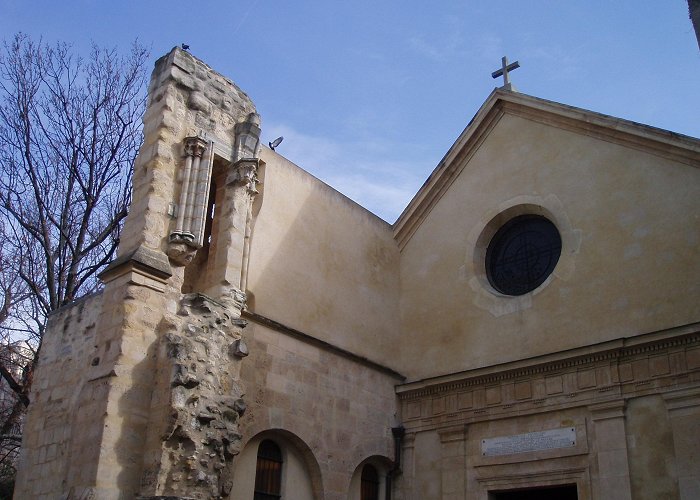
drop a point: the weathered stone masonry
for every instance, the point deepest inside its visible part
(156, 370)
(199, 399)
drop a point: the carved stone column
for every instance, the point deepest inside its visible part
(229, 257)
(194, 197)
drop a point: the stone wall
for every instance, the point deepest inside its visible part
(55, 414)
(339, 408)
(186, 99)
(197, 402)
(311, 241)
(125, 429)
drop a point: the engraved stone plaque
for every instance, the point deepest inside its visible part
(532, 441)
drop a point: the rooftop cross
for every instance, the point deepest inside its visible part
(505, 68)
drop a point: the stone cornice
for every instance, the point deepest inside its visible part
(612, 350)
(659, 142)
(143, 260)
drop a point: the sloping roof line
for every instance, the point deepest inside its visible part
(656, 141)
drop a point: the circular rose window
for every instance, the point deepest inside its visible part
(522, 254)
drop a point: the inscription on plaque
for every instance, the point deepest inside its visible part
(532, 441)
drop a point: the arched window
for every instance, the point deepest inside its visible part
(369, 489)
(268, 472)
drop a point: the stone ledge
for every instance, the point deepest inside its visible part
(143, 259)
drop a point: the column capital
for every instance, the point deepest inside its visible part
(454, 433)
(244, 173)
(607, 410)
(195, 146)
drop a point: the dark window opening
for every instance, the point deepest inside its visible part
(211, 211)
(566, 492)
(369, 481)
(522, 254)
(268, 472)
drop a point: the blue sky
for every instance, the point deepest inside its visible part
(369, 95)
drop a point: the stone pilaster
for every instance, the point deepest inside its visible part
(684, 414)
(125, 335)
(454, 462)
(611, 440)
(404, 483)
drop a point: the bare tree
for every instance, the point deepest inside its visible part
(69, 133)
(694, 14)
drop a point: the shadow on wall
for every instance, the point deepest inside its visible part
(134, 412)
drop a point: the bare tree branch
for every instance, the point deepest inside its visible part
(70, 128)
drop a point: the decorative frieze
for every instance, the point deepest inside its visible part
(654, 366)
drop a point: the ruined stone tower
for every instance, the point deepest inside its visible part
(160, 400)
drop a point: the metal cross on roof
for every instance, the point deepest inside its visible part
(505, 68)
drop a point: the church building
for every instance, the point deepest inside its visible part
(528, 328)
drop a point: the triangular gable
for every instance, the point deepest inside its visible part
(663, 143)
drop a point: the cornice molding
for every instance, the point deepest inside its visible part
(618, 350)
(146, 261)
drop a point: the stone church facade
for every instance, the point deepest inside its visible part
(530, 325)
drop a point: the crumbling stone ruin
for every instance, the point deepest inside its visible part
(162, 388)
(201, 347)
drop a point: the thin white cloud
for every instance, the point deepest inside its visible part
(382, 184)
(487, 46)
(426, 49)
(564, 65)
(443, 43)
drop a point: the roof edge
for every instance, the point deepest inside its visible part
(656, 141)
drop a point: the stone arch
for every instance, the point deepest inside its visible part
(296, 454)
(383, 466)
